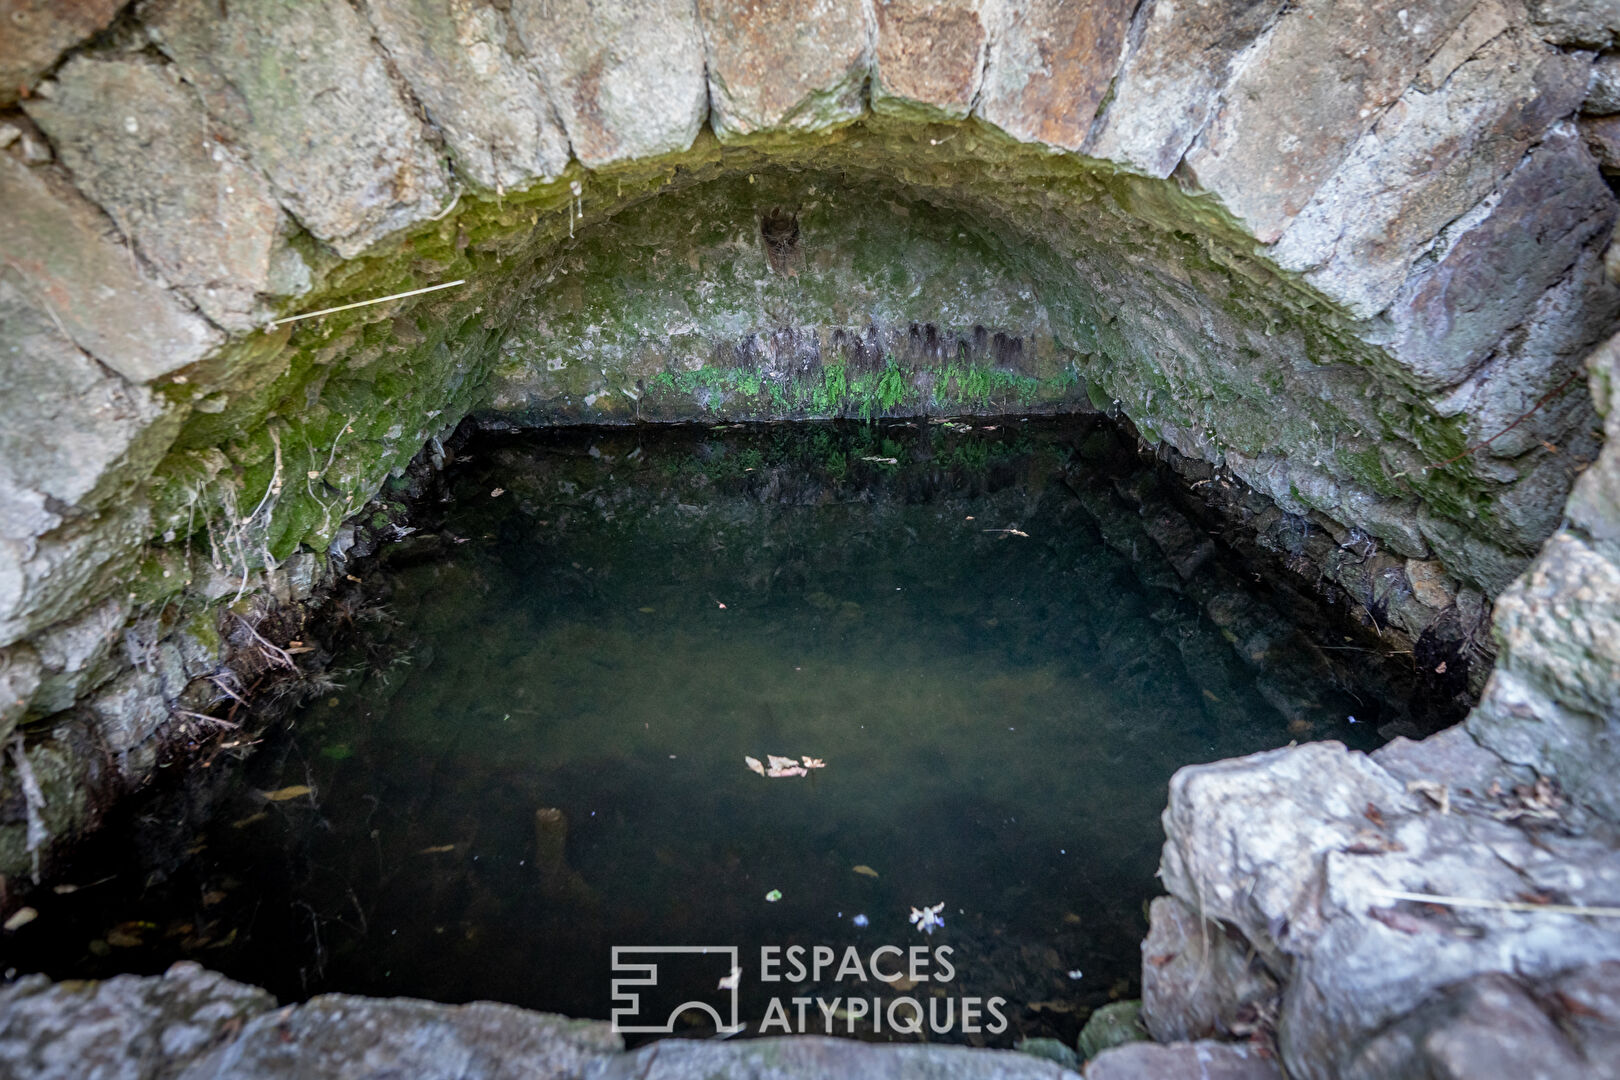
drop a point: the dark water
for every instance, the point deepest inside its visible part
(538, 750)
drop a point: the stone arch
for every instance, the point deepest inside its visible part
(1352, 254)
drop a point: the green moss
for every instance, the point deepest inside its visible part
(666, 271)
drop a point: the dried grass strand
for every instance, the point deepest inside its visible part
(366, 303)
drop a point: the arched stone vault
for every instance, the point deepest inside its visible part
(1330, 247)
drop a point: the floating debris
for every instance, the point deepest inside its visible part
(866, 871)
(881, 460)
(781, 767)
(496, 493)
(21, 918)
(295, 791)
(130, 935)
(861, 921)
(1009, 532)
(1075, 973)
(773, 896)
(730, 981)
(437, 849)
(928, 919)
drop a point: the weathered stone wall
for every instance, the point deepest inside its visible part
(1331, 248)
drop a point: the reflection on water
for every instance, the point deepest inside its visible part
(540, 751)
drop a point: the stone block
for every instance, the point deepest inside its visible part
(1172, 78)
(929, 57)
(71, 432)
(337, 1035)
(37, 32)
(1195, 978)
(1183, 1061)
(1558, 629)
(1049, 67)
(139, 144)
(1468, 557)
(1311, 88)
(1530, 391)
(56, 576)
(486, 97)
(1244, 837)
(302, 87)
(1465, 765)
(124, 1028)
(815, 1057)
(1485, 1026)
(57, 250)
(1594, 505)
(1111, 1025)
(782, 64)
(1592, 24)
(74, 654)
(1430, 158)
(1496, 263)
(1603, 93)
(626, 76)
(1602, 135)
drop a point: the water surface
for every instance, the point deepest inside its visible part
(538, 748)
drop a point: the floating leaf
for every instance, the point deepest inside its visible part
(129, 935)
(866, 871)
(21, 918)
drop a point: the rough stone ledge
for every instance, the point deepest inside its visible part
(1278, 863)
(194, 1024)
